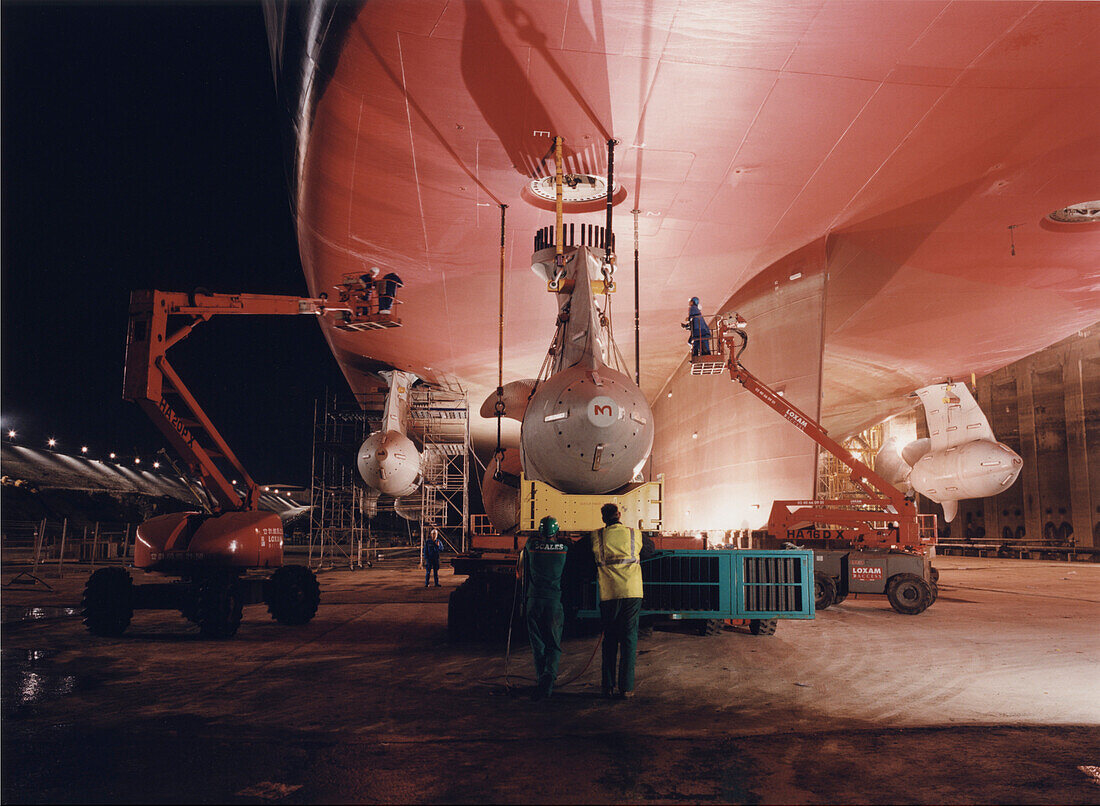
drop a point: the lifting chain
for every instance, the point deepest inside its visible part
(498, 407)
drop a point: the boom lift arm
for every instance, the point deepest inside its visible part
(149, 378)
(224, 559)
(885, 503)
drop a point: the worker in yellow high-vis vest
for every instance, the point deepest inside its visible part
(617, 550)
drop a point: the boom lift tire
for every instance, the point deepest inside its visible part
(763, 627)
(908, 593)
(108, 603)
(824, 591)
(292, 595)
(219, 605)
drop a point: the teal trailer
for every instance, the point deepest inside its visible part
(711, 585)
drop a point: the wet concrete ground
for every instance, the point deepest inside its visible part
(990, 697)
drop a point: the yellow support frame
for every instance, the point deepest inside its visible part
(641, 506)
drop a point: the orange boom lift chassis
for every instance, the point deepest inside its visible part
(231, 555)
(872, 545)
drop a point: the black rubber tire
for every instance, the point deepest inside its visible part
(459, 617)
(935, 592)
(482, 609)
(454, 622)
(839, 598)
(824, 591)
(218, 605)
(108, 603)
(763, 627)
(935, 575)
(462, 621)
(292, 595)
(908, 594)
(710, 627)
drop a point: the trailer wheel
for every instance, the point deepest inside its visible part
(824, 591)
(454, 628)
(458, 616)
(218, 605)
(292, 595)
(710, 627)
(462, 612)
(908, 594)
(763, 627)
(108, 603)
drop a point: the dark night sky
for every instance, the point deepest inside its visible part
(143, 147)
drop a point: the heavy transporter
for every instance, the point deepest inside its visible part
(231, 554)
(682, 579)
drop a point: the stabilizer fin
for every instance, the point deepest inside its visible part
(950, 509)
(953, 416)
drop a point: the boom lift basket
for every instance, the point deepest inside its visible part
(713, 360)
(362, 302)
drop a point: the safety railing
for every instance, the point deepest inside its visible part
(480, 524)
(45, 547)
(1023, 550)
(927, 527)
(363, 297)
(706, 356)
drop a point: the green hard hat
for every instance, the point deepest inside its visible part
(548, 527)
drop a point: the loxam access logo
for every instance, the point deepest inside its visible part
(796, 419)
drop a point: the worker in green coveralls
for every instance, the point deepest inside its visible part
(543, 560)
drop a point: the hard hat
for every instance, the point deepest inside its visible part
(548, 527)
(695, 301)
(374, 270)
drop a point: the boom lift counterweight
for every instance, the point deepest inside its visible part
(869, 545)
(226, 558)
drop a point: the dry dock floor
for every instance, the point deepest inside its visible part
(992, 696)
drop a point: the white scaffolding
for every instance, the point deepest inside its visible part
(340, 520)
(441, 421)
(338, 531)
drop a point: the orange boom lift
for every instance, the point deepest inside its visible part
(872, 545)
(232, 554)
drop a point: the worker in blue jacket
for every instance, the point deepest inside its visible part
(432, 547)
(699, 331)
(542, 562)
